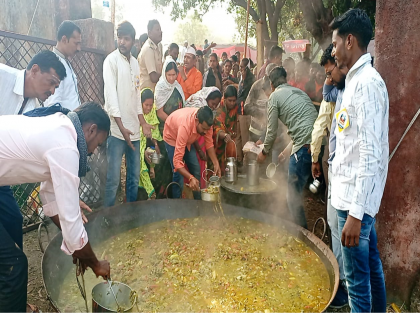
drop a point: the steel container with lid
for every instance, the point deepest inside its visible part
(231, 170)
(253, 178)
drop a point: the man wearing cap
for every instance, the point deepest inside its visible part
(190, 78)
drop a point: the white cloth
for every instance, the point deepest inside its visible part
(122, 93)
(67, 93)
(191, 51)
(199, 99)
(182, 54)
(12, 83)
(360, 165)
(44, 149)
(164, 89)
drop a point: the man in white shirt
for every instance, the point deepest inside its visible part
(360, 165)
(151, 57)
(123, 104)
(182, 53)
(20, 89)
(68, 44)
(52, 150)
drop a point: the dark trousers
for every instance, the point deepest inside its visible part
(10, 216)
(191, 161)
(13, 274)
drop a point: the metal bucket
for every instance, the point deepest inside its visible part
(104, 302)
(156, 158)
(210, 196)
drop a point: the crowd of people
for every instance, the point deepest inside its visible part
(186, 106)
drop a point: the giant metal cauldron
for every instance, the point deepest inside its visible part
(104, 224)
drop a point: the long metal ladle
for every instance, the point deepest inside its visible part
(113, 293)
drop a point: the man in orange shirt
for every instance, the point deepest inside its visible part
(182, 128)
(190, 78)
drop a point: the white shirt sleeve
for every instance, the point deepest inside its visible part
(110, 87)
(60, 195)
(369, 107)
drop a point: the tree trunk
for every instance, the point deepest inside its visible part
(317, 19)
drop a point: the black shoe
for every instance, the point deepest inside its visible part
(341, 299)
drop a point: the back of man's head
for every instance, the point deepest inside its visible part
(326, 56)
(278, 76)
(205, 114)
(355, 22)
(143, 38)
(275, 52)
(92, 112)
(67, 29)
(269, 68)
(46, 60)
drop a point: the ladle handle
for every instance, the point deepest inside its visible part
(113, 293)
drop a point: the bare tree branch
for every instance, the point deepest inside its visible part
(243, 4)
(208, 7)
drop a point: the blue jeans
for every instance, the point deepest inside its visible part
(363, 269)
(190, 158)
(115, 149)
(332, 218)
(10, 215)
(299, 171)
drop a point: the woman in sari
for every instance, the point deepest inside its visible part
(224, 128)
(148, 173)
(208, 96)
(168, 92)
(168, 98)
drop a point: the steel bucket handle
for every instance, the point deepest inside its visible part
(170, 184)
(320, 219)
(204, 177)
(236, 149)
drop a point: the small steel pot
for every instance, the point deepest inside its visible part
(207, 196)
(314, 187)
(104, 302)
(156, 158)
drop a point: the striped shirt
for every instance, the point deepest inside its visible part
(360, 165)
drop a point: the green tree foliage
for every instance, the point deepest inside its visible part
(282, 19)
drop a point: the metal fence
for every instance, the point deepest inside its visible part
(16, 51)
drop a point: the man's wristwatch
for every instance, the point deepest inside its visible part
(264, 152)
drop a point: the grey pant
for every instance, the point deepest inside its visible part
(333, 224)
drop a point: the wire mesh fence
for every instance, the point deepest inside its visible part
(17, 50)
